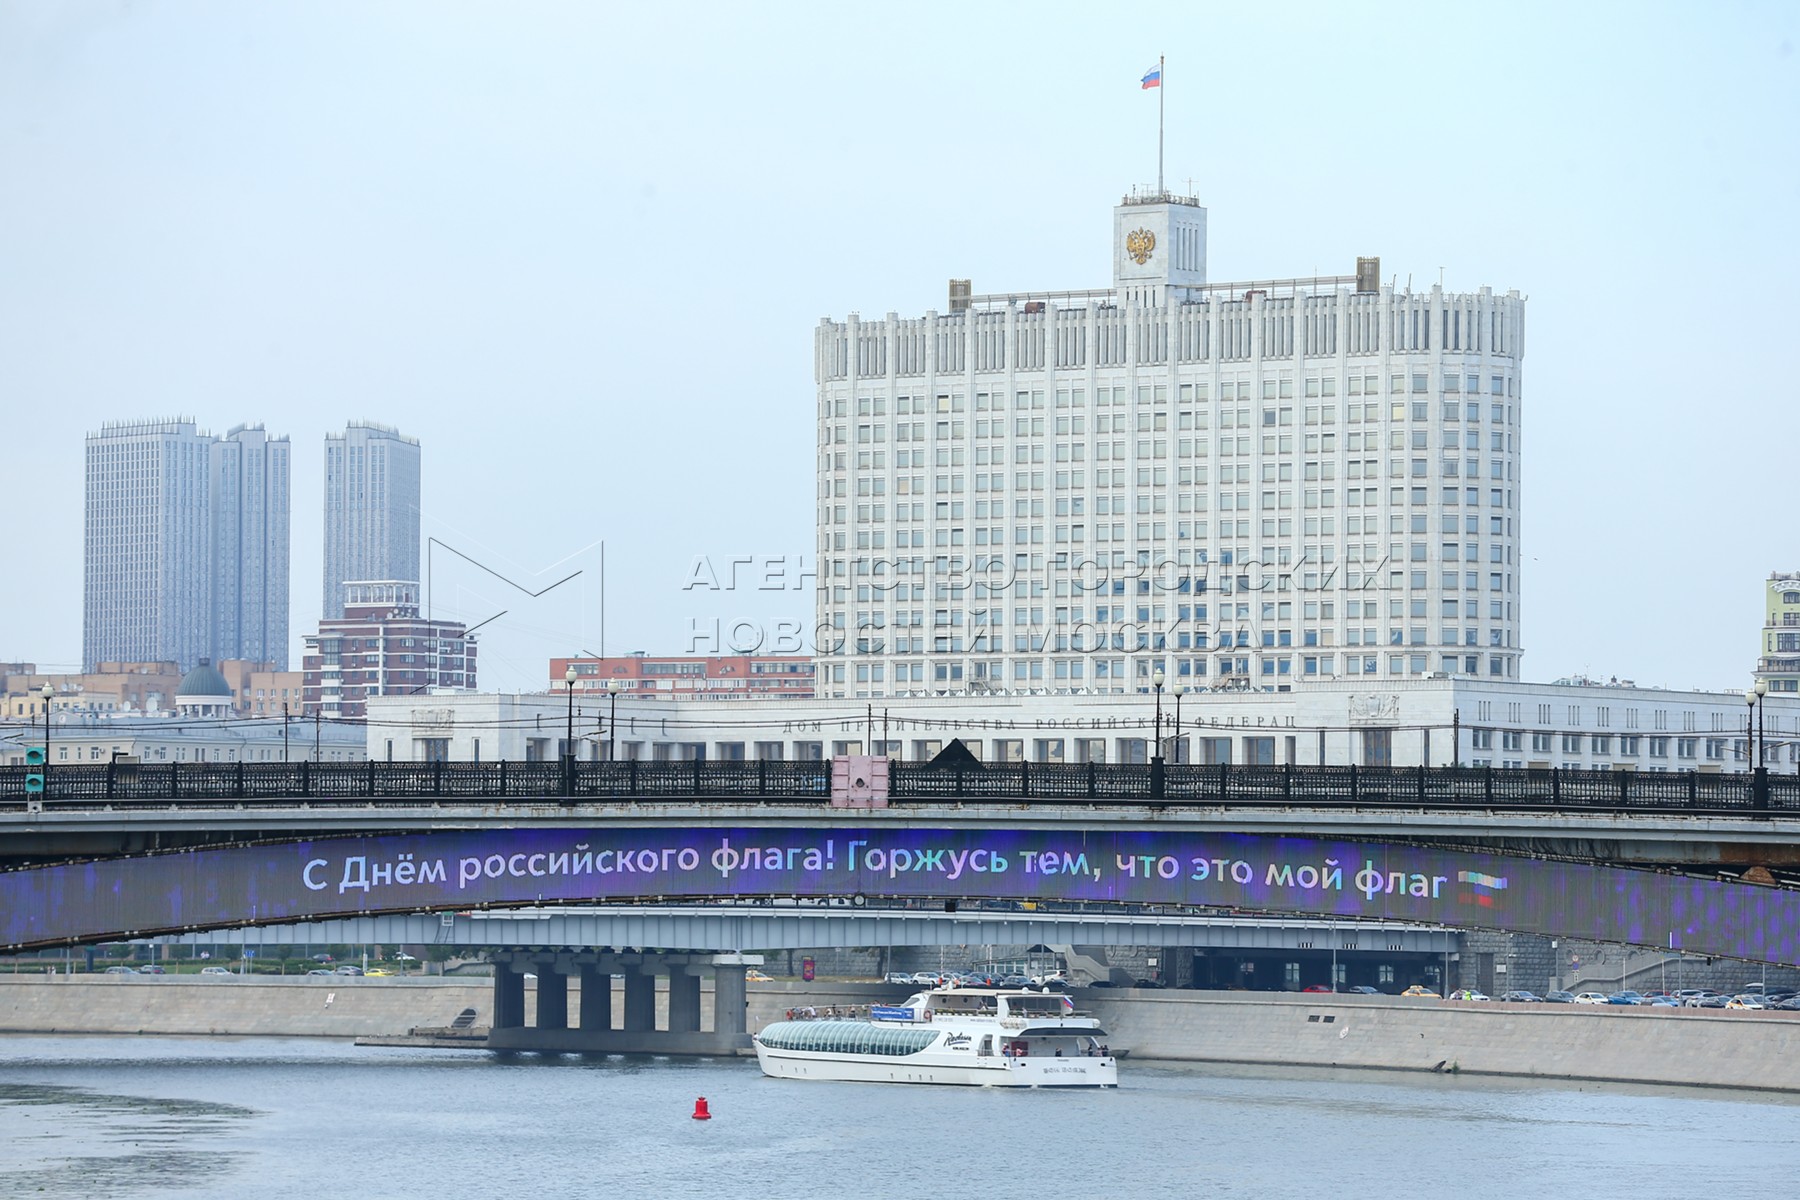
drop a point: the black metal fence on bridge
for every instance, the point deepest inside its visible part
(274, 785)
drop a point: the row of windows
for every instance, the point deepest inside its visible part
(1160, 420)
(847, 1037)
(1102, 671)
(1714, 749)
(1159, 395)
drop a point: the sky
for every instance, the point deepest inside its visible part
(580, 250)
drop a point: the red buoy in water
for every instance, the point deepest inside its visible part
(700, 1113)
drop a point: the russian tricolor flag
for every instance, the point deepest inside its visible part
(1153, 77)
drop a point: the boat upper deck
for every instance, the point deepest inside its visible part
(941, 1004)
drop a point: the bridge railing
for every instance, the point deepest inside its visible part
(1222, 785)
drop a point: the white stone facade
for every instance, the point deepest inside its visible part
(1246, 486)
(1364, 722)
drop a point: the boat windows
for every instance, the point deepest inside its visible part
(846, 1037)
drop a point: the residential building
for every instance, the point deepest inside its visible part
(250, 489)
(372, 475)
(148, 554)
(1244, 485)
(130, 741)
(1779, 663)
(146, 689)
(265, 693)
(186, 544)
(707, 677)
(381, 646)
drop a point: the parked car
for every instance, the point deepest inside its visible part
(1421, 991)
(322, 971)
(321, 958)
(1747, 1000)
(216, 973)
(1590, 998)
(1361, 989)
(1156, 984)
(118, 971)
(755, 976)
(151, 969)
(348, 969)
(1626, 997)
(899, 978)
(374, 971)
(1466, 994)
(1521, 997)
(1014, 981)
(1559, 997)
(1313, 987)
(1664, 1002)
(925, 978)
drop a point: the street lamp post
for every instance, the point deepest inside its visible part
(1750, 699)
(48, 693)
(569, 740)
(1156, 759)
(612, 716)
(1762, 738)
(1156, 682)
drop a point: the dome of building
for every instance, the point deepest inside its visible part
(204, 680)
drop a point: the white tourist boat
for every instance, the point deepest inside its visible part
(979, 1036)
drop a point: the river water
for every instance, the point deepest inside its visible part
(126, 1117)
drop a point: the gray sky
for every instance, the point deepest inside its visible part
(579, 251)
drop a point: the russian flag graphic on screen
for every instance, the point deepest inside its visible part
(1479, 889)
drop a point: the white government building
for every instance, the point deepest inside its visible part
(1291, 506)
(1369, 723)
(1247, 484)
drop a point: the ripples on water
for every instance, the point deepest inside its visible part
(121, 1117)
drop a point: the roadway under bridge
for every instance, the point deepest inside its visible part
(804, 927)
(573, 956)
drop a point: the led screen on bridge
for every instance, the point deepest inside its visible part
(411, 872)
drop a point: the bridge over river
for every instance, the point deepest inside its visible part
(1697, 863)
(1694, 862)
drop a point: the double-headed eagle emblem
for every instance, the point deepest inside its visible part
(1139, 243)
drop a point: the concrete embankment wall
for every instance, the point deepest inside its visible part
(298, 1007)
(1708, 1047)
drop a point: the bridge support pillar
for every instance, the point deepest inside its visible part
(552, 997)
(596, 996)
(729, 1000)
(684, 1000)
(509, 995)
(640, 998)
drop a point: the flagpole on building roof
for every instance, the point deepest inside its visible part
(1161, 95)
